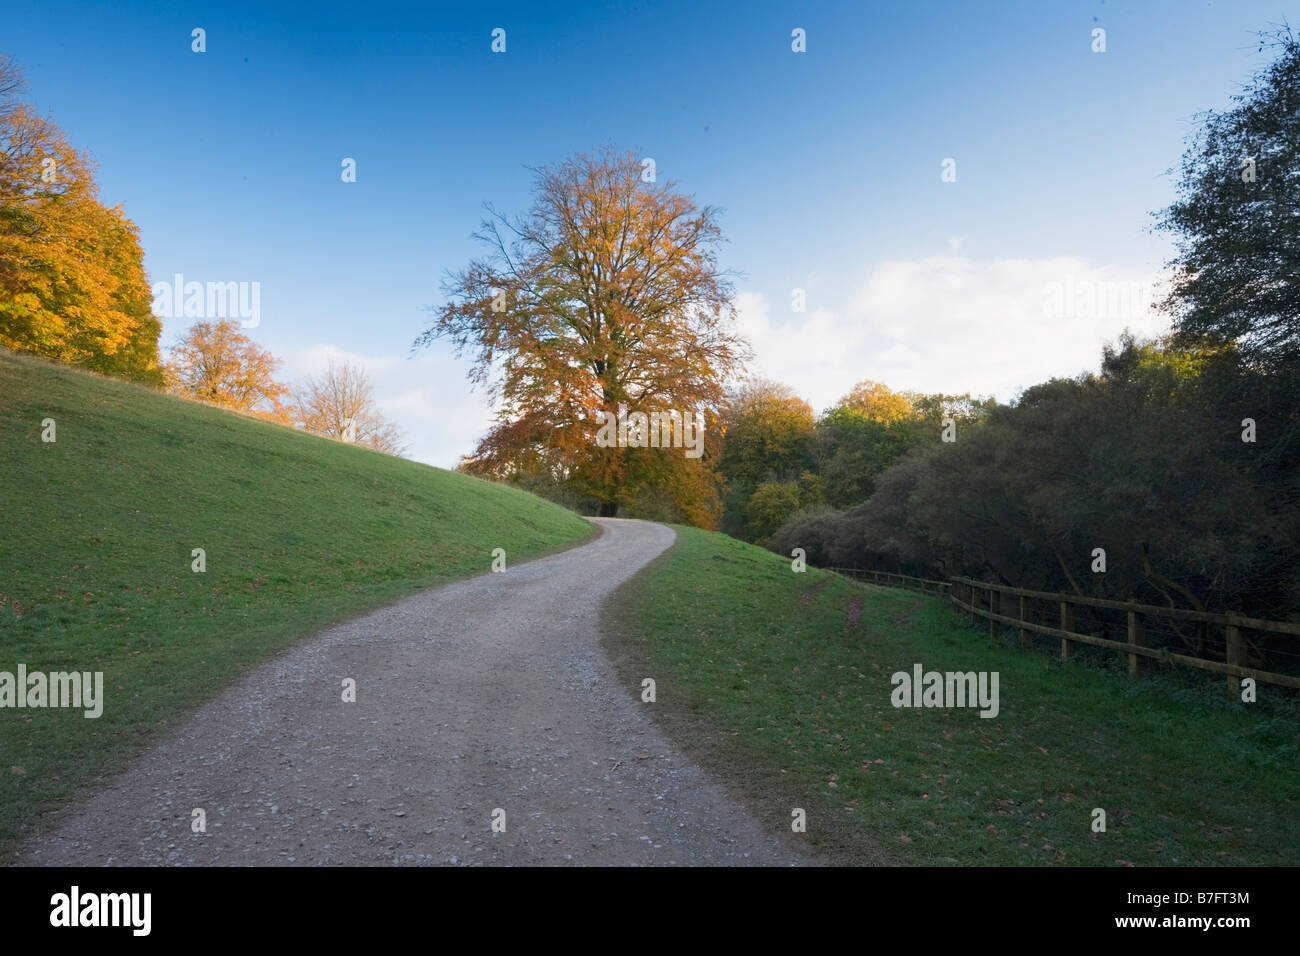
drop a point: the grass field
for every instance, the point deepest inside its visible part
(778, 683)
(96, 557)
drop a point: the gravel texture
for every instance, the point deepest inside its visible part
(487, 693)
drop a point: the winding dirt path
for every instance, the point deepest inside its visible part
(485, 694)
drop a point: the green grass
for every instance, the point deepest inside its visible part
(95, 557)
(763, 679)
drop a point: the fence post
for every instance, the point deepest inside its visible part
(1067, 624)
(1135, 661)
(995, 607)
(1025, 639)
(1236, 655)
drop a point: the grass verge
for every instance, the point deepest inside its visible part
(779, 685)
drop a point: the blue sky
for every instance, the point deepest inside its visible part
(827, 164)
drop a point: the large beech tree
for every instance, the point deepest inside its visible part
(606, 292)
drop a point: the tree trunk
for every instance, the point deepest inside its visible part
(608, 509)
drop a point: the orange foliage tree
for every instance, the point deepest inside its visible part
(72, 279)
(606, 293)
(216, 363)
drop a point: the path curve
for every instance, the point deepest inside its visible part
(487, 693)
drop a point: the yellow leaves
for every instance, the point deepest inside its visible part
(62, 284)
(218, 364)
(73, 286)
(29, 142)
(877, 402)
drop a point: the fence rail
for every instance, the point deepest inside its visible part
(926, 585)
(984, 599)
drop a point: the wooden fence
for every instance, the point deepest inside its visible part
(985, 600)
(890, 579)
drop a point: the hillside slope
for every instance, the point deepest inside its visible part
(97, 533)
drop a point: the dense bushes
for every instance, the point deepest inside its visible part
(1145, 461)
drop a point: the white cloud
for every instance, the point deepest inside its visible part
(952, 324)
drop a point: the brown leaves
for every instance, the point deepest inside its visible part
(605, 292)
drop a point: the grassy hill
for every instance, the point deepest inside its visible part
(779, 684)
(96, 557)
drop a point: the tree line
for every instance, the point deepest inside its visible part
(1169, 477)
(780, 460)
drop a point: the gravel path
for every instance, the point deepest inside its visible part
(483, 694)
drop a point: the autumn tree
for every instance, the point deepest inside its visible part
(861, 435)
(768, 432)
(877, 402)
(605, 294)
(72, 280)
(340, 403)
(216, 363)
(780, 462)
